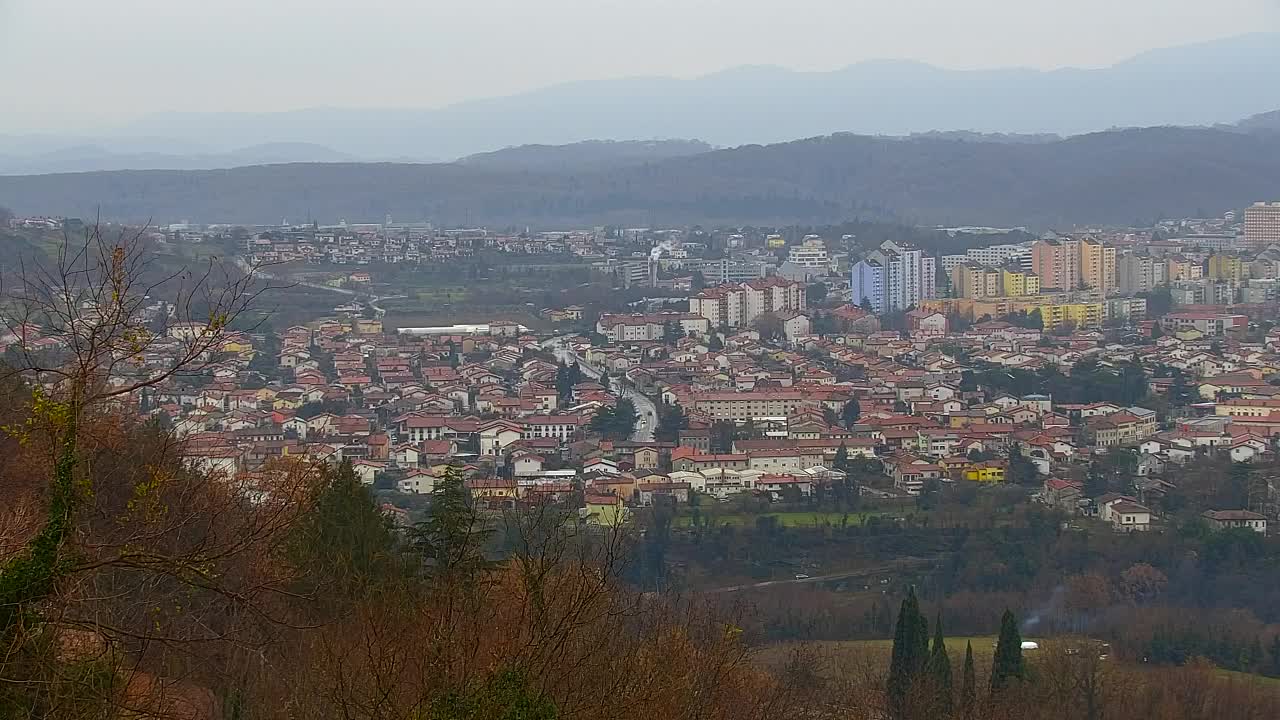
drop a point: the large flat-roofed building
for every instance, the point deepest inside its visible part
(1262, 225)
(743, 406)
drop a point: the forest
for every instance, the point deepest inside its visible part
(1118, 177)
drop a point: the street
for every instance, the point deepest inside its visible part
(645, 409)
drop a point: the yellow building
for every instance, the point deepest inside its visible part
(1083, 315)
(1227, 267)
(986, 472)
(1097, 266)
(1017, 284)
(971, 280)
(605, 510)
(1181, 268)
(775, 241)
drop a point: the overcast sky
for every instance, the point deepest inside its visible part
(61, 59)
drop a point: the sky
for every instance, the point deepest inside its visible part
(67, 64)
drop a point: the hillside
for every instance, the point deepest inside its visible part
(587, 155)
(1118, 177)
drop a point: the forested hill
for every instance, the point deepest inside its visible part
(1117, 177)
(588, 155)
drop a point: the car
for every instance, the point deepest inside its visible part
(801, 576)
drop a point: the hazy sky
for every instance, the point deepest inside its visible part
(61, 59)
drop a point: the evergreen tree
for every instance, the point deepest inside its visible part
(968, 686)
(345, 544)
(910, 653)
(850, 413)
(940, 668)
(451, 537)
(1007, 665)
(841, 462)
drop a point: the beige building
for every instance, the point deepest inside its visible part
(1262, 225)
(1098, 266)
(1057, 262)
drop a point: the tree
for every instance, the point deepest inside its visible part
(1142, 583)
(815, 294)
(850, 413)
(1007, 665)
(617, 422)
(910, 653)
(770, 327)
(968, 686)
(723, 433)
(671, 332)
(345, 545)
(939, 669)
(1021, 471)
(841, 461)
(451, 537)
(1159, 301)
(671, 420)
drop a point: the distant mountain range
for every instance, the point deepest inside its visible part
(1203, 84)
(84, 158)
(1118, 177)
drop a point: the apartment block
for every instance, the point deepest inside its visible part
(1261, 225)
(867, 284)
(739, 305)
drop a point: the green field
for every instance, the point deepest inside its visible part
(785, 519)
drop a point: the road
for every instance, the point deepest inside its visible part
(648, 413)
(880, 571)
(372, 300)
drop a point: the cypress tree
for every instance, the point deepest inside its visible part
(940, 668)
(910, 652)
(1007, 665)
(968, 686)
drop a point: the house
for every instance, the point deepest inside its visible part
(1105, 503)
(493, 491)
(1232, 519)
(525, 464)
(1129, 516)
(367, 470)
(1062, 494)
(604, 510)
(417, 482)
(991, 471)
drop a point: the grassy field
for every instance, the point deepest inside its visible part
(835, 656)
(785, 519)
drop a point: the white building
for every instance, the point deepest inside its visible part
(812, 255)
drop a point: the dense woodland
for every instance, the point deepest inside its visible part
(1123, 177)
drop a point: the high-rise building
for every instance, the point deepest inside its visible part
(1057, 262)
(1015, 283)
(972, 280)
(1227, 267)
(1097, 266)
(867, 283)
(1261, 225)
(910, 276)
(1137, 273)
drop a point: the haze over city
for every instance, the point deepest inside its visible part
(82, 64)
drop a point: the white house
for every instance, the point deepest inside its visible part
(417, 482)
(1130, 517)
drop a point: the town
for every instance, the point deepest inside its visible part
(782, 371)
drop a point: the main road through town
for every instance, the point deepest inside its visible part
(648, 414)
